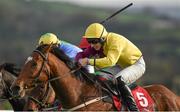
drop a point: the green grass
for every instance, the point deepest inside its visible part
(6, 106)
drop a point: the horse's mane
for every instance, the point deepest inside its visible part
(63, 57)
(10, 67)
(59, 54)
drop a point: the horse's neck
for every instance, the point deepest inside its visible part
(69, 89)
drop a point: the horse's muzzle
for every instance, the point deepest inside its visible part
(15, 90)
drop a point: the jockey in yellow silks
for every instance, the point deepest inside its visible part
(114, 49)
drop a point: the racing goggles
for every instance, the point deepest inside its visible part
(93, 40)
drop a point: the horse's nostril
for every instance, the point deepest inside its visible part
(15, 90)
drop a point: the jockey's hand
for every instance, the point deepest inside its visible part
(83, 61)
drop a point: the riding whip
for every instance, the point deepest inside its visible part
(102, 22)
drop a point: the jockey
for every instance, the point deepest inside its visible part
(117, 50)
(69, 49)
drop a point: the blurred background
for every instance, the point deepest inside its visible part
(153, 25)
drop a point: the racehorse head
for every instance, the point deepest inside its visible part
(8, 73)
(32, 72)
(33, 83)
(7, 76)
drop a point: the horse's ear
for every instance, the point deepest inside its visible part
(49, 47)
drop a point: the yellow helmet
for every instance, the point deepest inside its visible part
(95, 30)
(49, 38)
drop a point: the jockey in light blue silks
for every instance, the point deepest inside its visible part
(69, 49)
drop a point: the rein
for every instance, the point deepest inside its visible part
(45, 59)
(8, 91)
(65, 75)
(45, 96)
(44, 56)
(86, 103)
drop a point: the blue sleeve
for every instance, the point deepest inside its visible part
(70, 49)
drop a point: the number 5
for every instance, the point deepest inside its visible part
(142, 99)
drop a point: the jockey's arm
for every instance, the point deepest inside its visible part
(111, 59)
(83, 54)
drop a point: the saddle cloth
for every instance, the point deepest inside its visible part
(141, 96)
(143, 100)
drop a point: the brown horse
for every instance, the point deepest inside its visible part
(75, 93)
(37, 99)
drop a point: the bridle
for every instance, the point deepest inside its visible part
(42, 103)
(6, 89)
(36, 81)
(45, 60)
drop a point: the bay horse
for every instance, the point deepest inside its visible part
(74, 92)
(8, 74)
